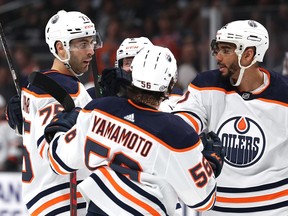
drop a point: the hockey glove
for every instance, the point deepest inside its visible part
(213, 151)
(113, 79)
(61, 122)
(14, 114)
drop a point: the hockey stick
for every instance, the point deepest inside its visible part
(43, 82)
(95, 73)
(60, 94)
(53, 88)
(9, 61)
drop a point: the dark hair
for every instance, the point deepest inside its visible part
(148, 97)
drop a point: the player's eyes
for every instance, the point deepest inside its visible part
(222, 51)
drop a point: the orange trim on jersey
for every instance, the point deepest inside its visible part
(230, 92)
(42, 147)
(145, 206)
(268, 75)
(253, 199)
(145, 132)
(48, 95)
(273, 101)
(37, 95)
(52, 71)
(142, 108)
(55, 165)
(210, 204)
(52, 202)
(191, 119)
(175, 95)
(211, 88)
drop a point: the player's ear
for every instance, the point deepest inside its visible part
(58, 46)
(248, 56)
(60, 50)
(249, 53)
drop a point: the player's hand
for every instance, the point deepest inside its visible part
(112, 79)
(213, 151)
(108, 82)
(14, 114)
(61, 122)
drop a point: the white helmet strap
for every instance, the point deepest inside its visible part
(66, 62)
(242, 70)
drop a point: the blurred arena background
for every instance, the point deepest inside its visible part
(184, 26)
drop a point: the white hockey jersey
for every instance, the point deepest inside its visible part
(142, 159)
(253, 129)
(45, 192)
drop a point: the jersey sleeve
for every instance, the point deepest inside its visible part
(190, 108)
(190, 175)
(67, 150)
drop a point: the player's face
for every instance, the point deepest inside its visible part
(81, 52)
(127, 63)
(227, 60)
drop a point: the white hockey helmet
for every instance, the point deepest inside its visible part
(130, 47)
(245, 33)
(153, 68)
(66, 26)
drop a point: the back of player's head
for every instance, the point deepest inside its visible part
(153, 68)
(66, 26)
(245, 33)
(130, 47)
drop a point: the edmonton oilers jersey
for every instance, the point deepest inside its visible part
(142, 160)
(45, 192)
(253, 129)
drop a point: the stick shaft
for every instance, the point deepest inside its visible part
(9, 61)
(95, 73)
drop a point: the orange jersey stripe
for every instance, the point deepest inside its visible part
(210, 204)
(145, 206)
(191, 119)
(55, 166)
(253, 199)
(53, 202)
(42, 147)
(48, 95)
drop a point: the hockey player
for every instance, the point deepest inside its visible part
(72, 38)
(142, 159)
(246, 106)
(114, 81)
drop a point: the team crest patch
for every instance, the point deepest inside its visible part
(55, 19)
(244, 141)
(252, 23)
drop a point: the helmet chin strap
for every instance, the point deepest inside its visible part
(242, 70)
(67, 64)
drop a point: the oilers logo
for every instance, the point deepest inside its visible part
(243, 140)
